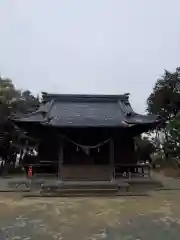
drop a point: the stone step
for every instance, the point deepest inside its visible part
(82, 185)
(79, 191)
(144, 183)
(56, 188)
(14, 184)
(86, 194)
(141, 181)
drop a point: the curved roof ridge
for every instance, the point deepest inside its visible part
(94, 97)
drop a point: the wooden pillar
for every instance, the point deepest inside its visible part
(112, 158)
(60, 160)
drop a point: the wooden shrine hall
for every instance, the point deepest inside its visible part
(86, 137)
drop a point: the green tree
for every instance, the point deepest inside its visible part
(8, 94)
(144, 148)
(173, 144)
(12, 101)
(165, 101)
(25, 103)
(165, 98)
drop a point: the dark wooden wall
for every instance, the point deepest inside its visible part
(49, 148)
(124, 150)
(76, 155)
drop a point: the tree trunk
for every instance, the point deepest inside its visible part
(166, 153)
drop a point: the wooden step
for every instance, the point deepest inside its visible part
(87, 172)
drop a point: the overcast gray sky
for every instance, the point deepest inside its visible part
(89, 46)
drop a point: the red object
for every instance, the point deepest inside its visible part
(30, 172)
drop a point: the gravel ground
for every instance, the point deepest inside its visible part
(124, 218)
(155, 217)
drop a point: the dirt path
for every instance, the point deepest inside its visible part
(168, 182)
